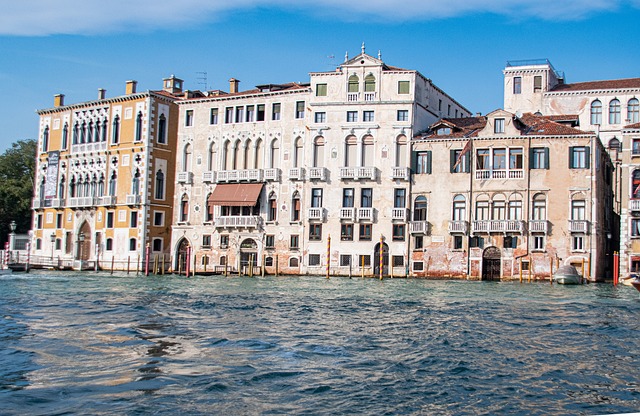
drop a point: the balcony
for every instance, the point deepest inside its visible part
(209, 176)
(296, 174)
(348, 214)
(353, 97)
(579, 226)
(107, 200)
(133, 199)
(365, 214)
(399, 214)
(538, 226)
(242, 175)
(37, 203)
(369, 96)
(634, 205)
(239, 221)
(57, 203)
(498, 226)
(316, 214)
(367, 172)
(83, 202)
(419, 227)
(458, 227)
(272, 175)
(401, 173)
(499, 174)
(185, 177)
(318, 174)
(88, 147)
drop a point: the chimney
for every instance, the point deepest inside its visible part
(131, 87)
(58, 100)
(233, 85)
(101, 93)
(478, 114)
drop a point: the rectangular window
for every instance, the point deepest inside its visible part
(316, 197)
(635, 147)
(579, 157)
(397, 261)
(157, 244)
(477, 242)
(275, 111)
(515, 158)
(482, 210)
(366, 198)
(449, 110)
(206, 240)
(345, 260)
(540, 158)
(321, 90)
(314, 259)
(299, 109)
(272, 214)
(403, 87)
(364, 260)
(367, 116)
(398, 232)
(110, 216)
(228, 115)
(320, 117)
(578, 208)
(39, 221)
(224, 240)
(399, 198)
(251, 113)
(418, 266)
(517, 85)
(270, 241)
(59, 221)
(260, 113)
(188, 119)
(499, 159)
(418, 242)
(346, 232)
(510, 241)
(315, 232)
(457, 242)
(294, 242)
(239, 114)
(213, 116)
(459, 161)
(403, 115)
(352, 116)
(347, 198)
(498, 126)
(538, 242)
(423, 162)
(577, 243)
(365, 232)
(482, 159)
(537, 83)
(133, 219)
(158, 219)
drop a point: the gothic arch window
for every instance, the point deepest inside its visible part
(112, 184)
(61, 187)
(226, 157)
(72, 188)
(350, 151)
(272, 212)
(208, 216)
(248, 156)
(596, 112)
(297, 153)
(211, 162)
(135, 183)
(318, 152)
(235, 161)
(139, 126)
(614, 111)
(45, 139)
(258, 154)
(367, 151)
(100, 189)
(354, 83)
(159, 184)
(401, 151)
(184, 208)
(274, 160)
(83, 133)
(115, 130)
(162, 129)
(90, 131)
(41, 190)
(103, 135)
(295, 207)
(76, 128)
(186, 158)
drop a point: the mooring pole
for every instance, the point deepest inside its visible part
(328, 255)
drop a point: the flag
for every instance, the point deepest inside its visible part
(464, 151)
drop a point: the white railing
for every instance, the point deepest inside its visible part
(85, 201)
(248, 175)
(88, 147)
(634, 205)
(247, 221)
(419, 227)
(401, 173)
(399, 214)
(499, 174)
(538, 226)
(348, 213)
(353, 96)
(209, 176)
(490, 226)
(579, 226)
(107, 200)
(369, 96)
(319, 174)
(272, 174)
(458, 227)
(37, 203)
(133, 199)
(367, 172)
(185, 177)
(296, 174)
(365, 214)
(316, 213)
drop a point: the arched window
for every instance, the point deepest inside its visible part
(401, 151)
(272, 213)
(83, 133)
(223, 260)
(139, 127)
(539, 211)
(515, 209)
(90, 132)
(420, 209)
(614, 111)
(297, 153)
(318, 152)
(274, 160)
(100, 189)
(184, 208)
(614, 144)
(133, 244)
(208, 217)
(41, 190)
(94, 186)
(211, 162)
(235, 161)
(72, 188)
(226, 156)
(354, 83)
(633, 111)
(369, 83)
(635, 185)
(294, 262)
(115, 130)
(259, 154)
(98, 131)
(498, 208)
(61, 187)
(135, 183)
(596, 112)
(459, 208)
(186, 158)
(112, 184)
(76, 130)
(248, 156)
(350, 151)
(295, 207)
(65, 136)
(87, 186)
(367, 151)
(45, 139)
(162, 129)
(159, 185)
(103, 135)
(268, 262)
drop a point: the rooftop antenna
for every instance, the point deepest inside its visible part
(331, 59)
(202, 79)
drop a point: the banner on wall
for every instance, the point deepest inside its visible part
(50, 186)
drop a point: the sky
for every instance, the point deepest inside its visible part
(76, 47)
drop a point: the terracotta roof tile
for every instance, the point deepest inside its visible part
(599, 85)
(633, 126)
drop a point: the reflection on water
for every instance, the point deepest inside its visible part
(95, 344)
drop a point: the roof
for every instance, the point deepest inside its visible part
(613, 84)
(260, 89)
(236, 194)
(632, 126)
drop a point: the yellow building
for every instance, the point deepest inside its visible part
(104, 179)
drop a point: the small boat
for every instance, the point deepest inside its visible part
(567, 275)
(633, 280)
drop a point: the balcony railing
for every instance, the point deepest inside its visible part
(505, 226)
(185, 177)
(88, 147)
(316, 214)
(538, 226)
(272, 174)
(399, 214)
(419, 227)
(296, 174)
(209, 176)
(57, 203)
(579, 226)
(133, 199)
(319, 174)
(367, 172)
(38, 203)
(239, 221)
(81, 202)
(348, 213)
(365, 214)
(242, 175)
(499, 174)
(401, 173)
(369, 96)
(353, 96)
(461, 227)
(107, 200)
(634, 205)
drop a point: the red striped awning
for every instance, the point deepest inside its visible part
(236, 194)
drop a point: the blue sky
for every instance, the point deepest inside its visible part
(75, 47)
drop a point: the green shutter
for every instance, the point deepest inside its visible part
(428, 161)
(467, 162)
(414, 162)
(571, 157)
(587, 157)
(452, 159)
(531, 155)
(546, 158)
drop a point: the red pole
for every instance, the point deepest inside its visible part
(616, 268)
(6, 253)
(146, 261)
(188, 262)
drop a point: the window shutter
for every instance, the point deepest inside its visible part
(531, 161)
(587, 157)
(467, 162)
(414, 162)
(571, 157)
(452, 160)
(428, 161)
(546, 158)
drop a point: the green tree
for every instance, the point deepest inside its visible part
(17, 166)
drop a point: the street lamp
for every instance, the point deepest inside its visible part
(12, 226)
(53, 240)
(12, 235)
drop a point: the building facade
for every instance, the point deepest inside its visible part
(104, 181)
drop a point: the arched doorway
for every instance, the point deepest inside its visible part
(83, 251)
(491, 264)
(385, 259)
(248, 253)
(181, 256)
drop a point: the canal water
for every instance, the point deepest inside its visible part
(99, 344)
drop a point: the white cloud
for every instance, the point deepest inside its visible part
(44, 17)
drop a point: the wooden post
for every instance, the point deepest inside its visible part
(381, 257)
(128, 264)
(180, 265)
(362, 266)
(588, 279)
(520, 269)
(138, 265)
(328, 254)
(583, 270)
(112, 260)
(155, 265)
(146, 259)
(264, 262)
(551, 270)
(251, 265)
(276, 265)
(163, 264)
(225, 269)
